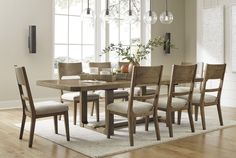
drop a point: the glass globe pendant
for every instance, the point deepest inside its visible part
(130, 15)
(88, 13)
(150, 17)
(107, 15)
(166, 17)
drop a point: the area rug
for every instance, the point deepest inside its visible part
(95, 144)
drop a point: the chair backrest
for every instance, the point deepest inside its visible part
(69, 69)
(214, 72)
(200, 67)
(145, 76)
(100, 65)
(182, 74)
(24, 89)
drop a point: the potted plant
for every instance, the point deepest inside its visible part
(140, 54)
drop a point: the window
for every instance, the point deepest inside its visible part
(78, 40)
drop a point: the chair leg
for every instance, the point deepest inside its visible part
(33, 120)
(190, 116)
(109, 124)
(75, 112)
(179, 116)
(203, 117)
(146, 122)
(155, 119)
(55, 124)
(22, 126)
(97, 110)
(196, 112)
(92, 109)
(66, 120)
(127, 98)
(220, 114)
(134, 125)
(130, 125)
(169, 122)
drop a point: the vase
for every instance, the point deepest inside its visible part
(131, 65)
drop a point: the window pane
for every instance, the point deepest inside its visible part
(61, 29)
(125, 33)
(135, 33)
(75, 7)
(75, 30)
(61, 6)
(75, 53)
(88, 32)
(88, 56)
(114, 33)
(60, 55)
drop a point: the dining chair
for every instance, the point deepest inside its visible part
(73, 71)
(181, 74)
(141, 76)
(197, 86)
(214, 75)
(36, 110)
(138, 90)
(119, 93)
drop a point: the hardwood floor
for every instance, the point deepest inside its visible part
(218, 144)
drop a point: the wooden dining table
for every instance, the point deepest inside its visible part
(83, 86)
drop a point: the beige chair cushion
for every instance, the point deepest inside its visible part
(137, 91)
(184, 89)
(196, 98)
(47, 107)
(76, 96)
(176, 102)
(138, 107)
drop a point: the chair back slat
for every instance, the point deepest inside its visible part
(69, 69)
(146, 75)
(24, 89)
(183, 73)
(215, 71)
(100, 65)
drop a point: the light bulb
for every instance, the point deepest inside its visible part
(88, 13)
(107, 16)
(166, 17)
(150, 17)
(130, 16)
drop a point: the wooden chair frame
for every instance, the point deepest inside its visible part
(141, 76)
(29, 109)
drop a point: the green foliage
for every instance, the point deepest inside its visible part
(142, 49)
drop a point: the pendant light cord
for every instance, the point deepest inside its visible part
(107, 8)
(150, 8)
(130, 11)
(88, 4)
(166, 8)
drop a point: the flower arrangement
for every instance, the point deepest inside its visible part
(142, 49)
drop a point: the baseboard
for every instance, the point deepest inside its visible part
(12, 104)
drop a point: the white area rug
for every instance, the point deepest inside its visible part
(94, 144)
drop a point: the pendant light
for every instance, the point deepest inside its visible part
(166, 17)
(130, 15)
(150, 17)
(106, 14)
(88, 13)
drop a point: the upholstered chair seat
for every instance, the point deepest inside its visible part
(47, 107)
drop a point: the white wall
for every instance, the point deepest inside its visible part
(177, 30)
(15, 17)
(229, 88)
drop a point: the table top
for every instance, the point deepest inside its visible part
(86, 85)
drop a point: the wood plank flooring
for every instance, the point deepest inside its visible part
(218, 144)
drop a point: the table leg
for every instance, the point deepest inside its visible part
(109, 99)
(83, 108)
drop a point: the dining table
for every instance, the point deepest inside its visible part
(83, 86)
